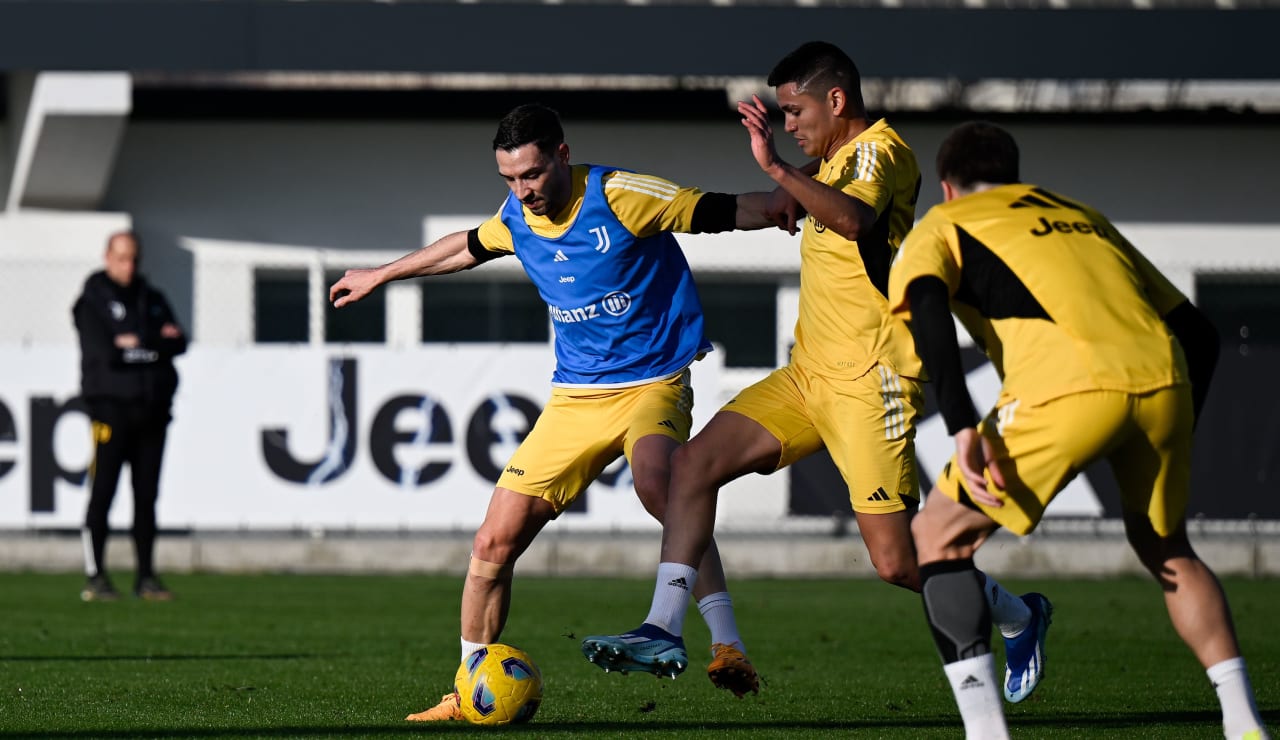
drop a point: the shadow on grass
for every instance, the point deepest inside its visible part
(147, 658)
(1140, 721)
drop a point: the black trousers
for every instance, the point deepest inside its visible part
(131, 433)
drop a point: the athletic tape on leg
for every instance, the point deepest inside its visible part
(485, 569)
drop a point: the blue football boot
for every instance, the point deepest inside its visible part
(647, 649)
(1024, 654)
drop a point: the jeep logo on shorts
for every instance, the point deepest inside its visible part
(514, 470)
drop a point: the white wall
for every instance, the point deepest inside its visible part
(44, 260)
(236, 410)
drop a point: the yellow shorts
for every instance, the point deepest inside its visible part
(1146, 437)
(868, 426)
(582, 430)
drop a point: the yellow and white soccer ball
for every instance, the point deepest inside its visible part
(497, 685)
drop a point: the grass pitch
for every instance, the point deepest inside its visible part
(281, 656)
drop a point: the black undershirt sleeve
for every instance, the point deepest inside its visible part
(939, 349)
(1200, 343)
(714, 213)
(477, 249)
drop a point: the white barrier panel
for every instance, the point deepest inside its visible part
(307, 437)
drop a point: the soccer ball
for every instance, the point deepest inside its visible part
(497, 685)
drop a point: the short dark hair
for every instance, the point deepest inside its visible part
(816, 67)
(978, 151)
(531, 123)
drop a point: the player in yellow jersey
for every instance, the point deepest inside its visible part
(1101, 357)
(597, 242)
(853, 383)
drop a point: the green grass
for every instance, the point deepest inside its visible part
(349, 656)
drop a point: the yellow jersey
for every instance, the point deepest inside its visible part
(1062, 301)
(845, 326)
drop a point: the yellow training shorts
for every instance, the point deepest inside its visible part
(582, 430)
(1145, 436)
(868, 426)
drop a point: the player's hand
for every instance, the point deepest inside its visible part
(127, 341)
(353, 285)
(170, 331)
(975, 456)
(756, 118)
(784, 210)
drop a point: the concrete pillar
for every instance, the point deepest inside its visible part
(66, 130)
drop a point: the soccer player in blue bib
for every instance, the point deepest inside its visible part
(597, 242)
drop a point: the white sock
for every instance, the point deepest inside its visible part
(1008, 612)
(671, 596)
(469, 647)
(973, 682)
(717, 610)
(1235, 694)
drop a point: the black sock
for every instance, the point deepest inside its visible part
(956, 609)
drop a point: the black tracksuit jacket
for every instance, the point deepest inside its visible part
(143, 375)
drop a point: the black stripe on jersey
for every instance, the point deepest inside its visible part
(1030, 201)
(1058, 199)
(987, 284)
(875, 251)
(477, 249)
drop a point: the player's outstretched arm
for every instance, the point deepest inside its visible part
(719, 212)
(762, 210)
(445, 255)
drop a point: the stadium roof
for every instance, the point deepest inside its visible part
(1000, 56)
(921, 39)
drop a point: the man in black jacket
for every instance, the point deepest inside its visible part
(128, 339)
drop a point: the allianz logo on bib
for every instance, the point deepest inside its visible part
(616, 303)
